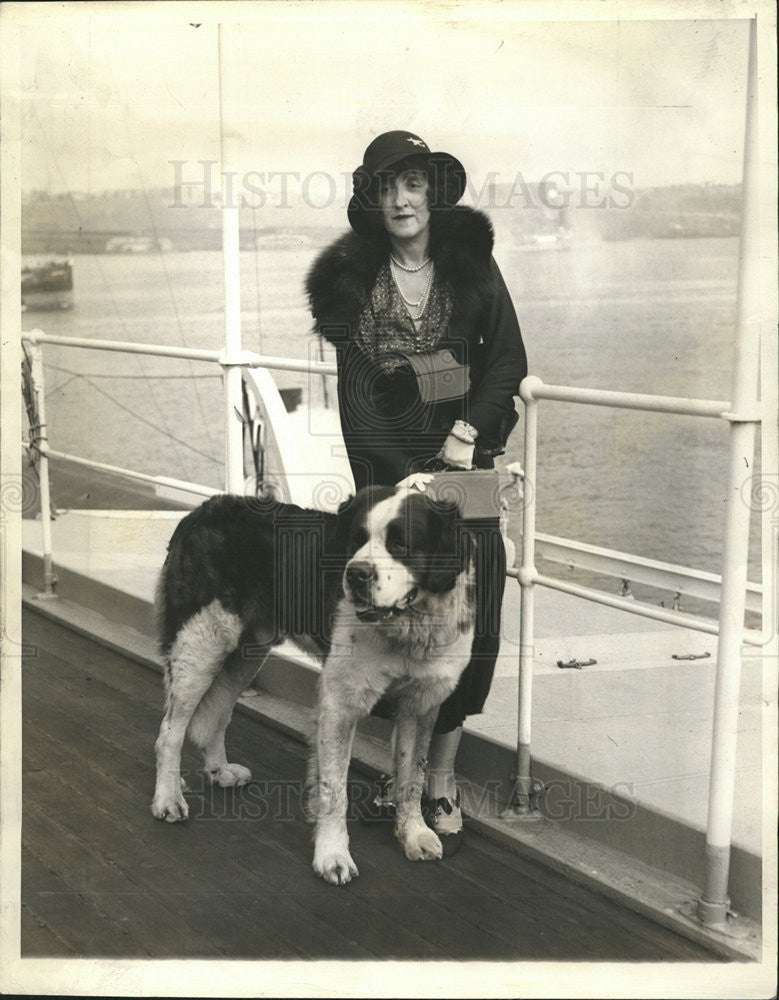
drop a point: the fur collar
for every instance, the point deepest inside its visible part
(340, 280)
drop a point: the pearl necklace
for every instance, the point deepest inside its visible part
(411, 270)
(413, 305)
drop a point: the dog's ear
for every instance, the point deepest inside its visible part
(451, 550)
(345, 508)
(353, 511)
(344, 518)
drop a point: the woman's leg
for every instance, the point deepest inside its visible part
(440, 764)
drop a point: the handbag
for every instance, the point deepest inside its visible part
(439, 375)
(480, 493)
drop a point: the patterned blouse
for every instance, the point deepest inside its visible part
(386, 329)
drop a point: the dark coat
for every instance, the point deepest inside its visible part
(388, 430)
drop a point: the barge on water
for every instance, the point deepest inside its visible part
(47, 283)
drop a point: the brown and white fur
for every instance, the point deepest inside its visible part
(383, 591)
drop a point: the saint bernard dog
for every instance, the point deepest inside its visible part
(383, 591)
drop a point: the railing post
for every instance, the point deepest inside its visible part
(714, 904)
(522, 804)
(42, 446)
(231, 258)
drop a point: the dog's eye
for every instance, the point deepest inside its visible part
(396, 543)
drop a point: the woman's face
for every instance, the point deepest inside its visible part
(404, 204)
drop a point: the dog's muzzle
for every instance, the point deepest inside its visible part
(373, 613)
(359, 578)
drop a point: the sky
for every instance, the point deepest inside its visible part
(112, 95)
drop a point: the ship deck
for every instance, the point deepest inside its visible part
(621, 746)
(102, 878)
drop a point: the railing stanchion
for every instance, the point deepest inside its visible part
(714, 904)
(524, 792)
(49, 577)
(231, 255)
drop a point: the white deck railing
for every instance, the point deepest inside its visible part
(596, 559)
(629, 568)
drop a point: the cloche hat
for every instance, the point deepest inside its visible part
(445, 173)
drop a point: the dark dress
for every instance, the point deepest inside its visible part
(389, 429)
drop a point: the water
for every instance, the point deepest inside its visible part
(653, 316)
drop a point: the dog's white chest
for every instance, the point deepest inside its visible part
(369, 661)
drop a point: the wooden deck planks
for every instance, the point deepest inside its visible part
(146, 910)
(102, 877)
(200, 877)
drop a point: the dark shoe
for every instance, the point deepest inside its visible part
(446, 819)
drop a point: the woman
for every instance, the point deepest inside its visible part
(429, 357)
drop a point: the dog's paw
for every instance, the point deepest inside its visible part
(171, 808)
(230, 774)
(420, 843)
(332, 860)
(338, 869)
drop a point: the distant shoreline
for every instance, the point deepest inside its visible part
(80, 223)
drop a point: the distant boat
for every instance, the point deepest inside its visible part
(283, 241)
(47, 284)
(138, 244)
(559, 240)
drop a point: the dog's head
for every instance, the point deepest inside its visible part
(401, 545)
